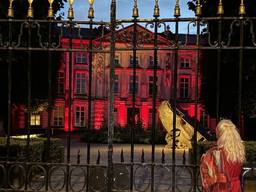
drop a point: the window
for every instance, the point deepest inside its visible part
(35, 119)
(61, 81)
(58, 116)
(80, 83)
(131, 61)
(151, 61)
(151, 84)
(184, 63)
(203, 118)
(117, 63)
(79, 116)
(81, 58)
(116, 84)
(184, 88)
(131, 85)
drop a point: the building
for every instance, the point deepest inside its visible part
(123, 83)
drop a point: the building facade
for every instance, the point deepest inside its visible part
(123, 83)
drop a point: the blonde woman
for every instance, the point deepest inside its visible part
(221, 165)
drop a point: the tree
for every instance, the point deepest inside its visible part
(229, 62)
(39, 59)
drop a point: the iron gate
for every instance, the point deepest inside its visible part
(53, 37)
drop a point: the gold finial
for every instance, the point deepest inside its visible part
(91, 11)
(135, 11)
(156, 9)
(30, 9)
(50, 10)
(10, 10)
(70, 10)
(177, 9)
(198, 8)
(242, 8)
(220, 8)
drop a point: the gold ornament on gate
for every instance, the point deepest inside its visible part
(50, 10)
(91, 11)
(156, 9)
(177, 9)
(30, 9)
(135, 11)
(70, 10)
(10, 10)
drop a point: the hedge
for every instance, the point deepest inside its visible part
(36, 152)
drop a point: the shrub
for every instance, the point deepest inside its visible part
(36, 152)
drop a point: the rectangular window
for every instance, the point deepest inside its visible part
(80, 83)
(81, 58)
(58, 116)
(61, 81)
(79, 116)
(151, 84)
(116, 84)
(131, 61)
(117, 63)
(131, 86)
(35, 119)
(151, 61)
(184, 63)
(184, 88)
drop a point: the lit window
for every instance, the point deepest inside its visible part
(151, 85)
(58, 116)
(61, 80)
(131, 86)
(80, 83)
(81, 58)
(116, 84)
(79, 116)
(184, 63)
(117, 63)
(131, 61)
(35, 119)
(184, 88)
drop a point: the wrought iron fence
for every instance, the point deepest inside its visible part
(136, 174)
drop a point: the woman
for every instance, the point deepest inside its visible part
(221, 165)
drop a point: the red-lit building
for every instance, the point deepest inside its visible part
(123, 83)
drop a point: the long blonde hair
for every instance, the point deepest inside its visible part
(230, 140)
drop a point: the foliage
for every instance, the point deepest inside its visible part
(37, 149)
(123, 135)
(250, 148)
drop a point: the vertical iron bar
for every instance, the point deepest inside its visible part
(174, 102)
(196, 101)
(29, 81)
(240, 73)
(153, 131)
(218, 69)
(89, 102)
(134, 51)
(70, 78)
(9, 88)
(111, 96)
(48, 146)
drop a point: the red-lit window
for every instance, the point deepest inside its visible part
(184, 63)
(60, 85)
(131, 86)
(151, 85)
(116, 84)
(81, 58)
(131, 61)
(117, 60)
(80, 83)
(184, 87)
(58, 116)
(151, 61)
(79, 116)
